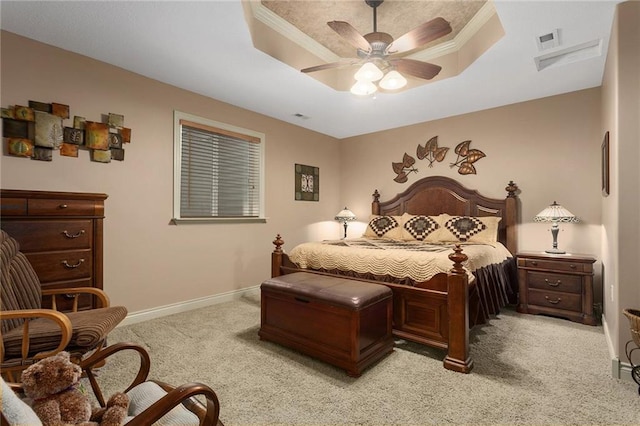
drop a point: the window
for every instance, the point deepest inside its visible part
(219, 171)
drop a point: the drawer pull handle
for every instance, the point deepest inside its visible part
(555, 302)
(68, 265)
(572, 266)
(300, 299)
(63, 206)
(534, 263)
(72, 236)
(70, 296)
(556, 284)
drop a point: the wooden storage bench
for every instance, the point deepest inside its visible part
(343, 322)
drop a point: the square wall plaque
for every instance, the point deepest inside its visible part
(307, 183)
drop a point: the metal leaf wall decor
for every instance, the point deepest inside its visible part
(431, 151)
(466, 157)
(404, 168)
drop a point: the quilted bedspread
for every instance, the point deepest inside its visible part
(415, 260)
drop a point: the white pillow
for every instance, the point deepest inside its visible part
(16, 411)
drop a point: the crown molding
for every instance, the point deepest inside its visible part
(286, 29)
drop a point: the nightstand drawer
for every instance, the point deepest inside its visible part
(566, 301)
(555, 282)
(557, 265)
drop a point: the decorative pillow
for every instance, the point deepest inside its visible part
(384, 227)
(469, 229)
(418, 227)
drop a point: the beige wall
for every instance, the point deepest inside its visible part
(149, 263)
(549, 147)
(621, 210)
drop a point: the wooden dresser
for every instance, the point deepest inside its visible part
(61, 235)
(556, 284)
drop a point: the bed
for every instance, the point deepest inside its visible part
(440, 310)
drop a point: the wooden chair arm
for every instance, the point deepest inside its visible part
(27, 314)
(183, 394)
(99, 293)
(97, 359)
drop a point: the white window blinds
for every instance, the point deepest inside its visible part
(220, 172)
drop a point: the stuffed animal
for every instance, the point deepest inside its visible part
(53, 385)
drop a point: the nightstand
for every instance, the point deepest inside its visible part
(556, 284)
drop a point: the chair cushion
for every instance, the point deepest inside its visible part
(89, 329)
(145, 394)
(19, 281)
(15, 410)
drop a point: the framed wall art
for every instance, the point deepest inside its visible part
(307, 183)
(37, 130)
(605, 165)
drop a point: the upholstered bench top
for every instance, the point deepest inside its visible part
(332, 290)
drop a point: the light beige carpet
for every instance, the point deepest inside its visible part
(529, 370)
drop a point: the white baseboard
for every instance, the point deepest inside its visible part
(188, 305)
(619, 369)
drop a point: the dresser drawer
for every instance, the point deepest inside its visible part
(62, 266)
(555, 282)
(51, 235)
(13, 206)
(60, 207)
(557, 265)
(556, 300)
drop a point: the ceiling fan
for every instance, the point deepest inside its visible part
(381, 54)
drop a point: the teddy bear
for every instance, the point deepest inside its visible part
(53, 386)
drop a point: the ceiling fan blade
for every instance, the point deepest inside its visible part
(346, 31)
(330, 65)
(415, 68)
(421, 35)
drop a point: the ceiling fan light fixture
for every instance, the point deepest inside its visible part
(393, 80)
(363, 88)
(369, 72)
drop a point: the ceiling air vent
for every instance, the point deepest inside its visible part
(548, 40)
(579, 52)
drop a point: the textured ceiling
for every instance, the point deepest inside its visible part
(395, 17)
(206, 47)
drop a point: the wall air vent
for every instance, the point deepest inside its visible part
(548, 40)
(580, 52)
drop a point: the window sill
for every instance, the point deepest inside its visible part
(201, 220)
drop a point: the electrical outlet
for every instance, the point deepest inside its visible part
(611, 292)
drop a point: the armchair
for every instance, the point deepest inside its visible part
(29, 332)
(152, 402)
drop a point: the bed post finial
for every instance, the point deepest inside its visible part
(278, 242)
(375, 204)
(458, 257)
(511, 189)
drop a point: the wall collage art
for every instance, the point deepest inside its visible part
(37, 130)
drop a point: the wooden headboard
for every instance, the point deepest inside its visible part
(433, 195)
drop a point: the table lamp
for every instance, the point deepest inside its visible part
(555, 213)
(344, 216)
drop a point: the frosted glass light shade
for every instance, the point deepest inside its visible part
(363, 88)
(393, 81)
(368, 72)
(555, 213)
(345, 215)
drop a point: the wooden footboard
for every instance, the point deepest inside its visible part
(435, 313)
